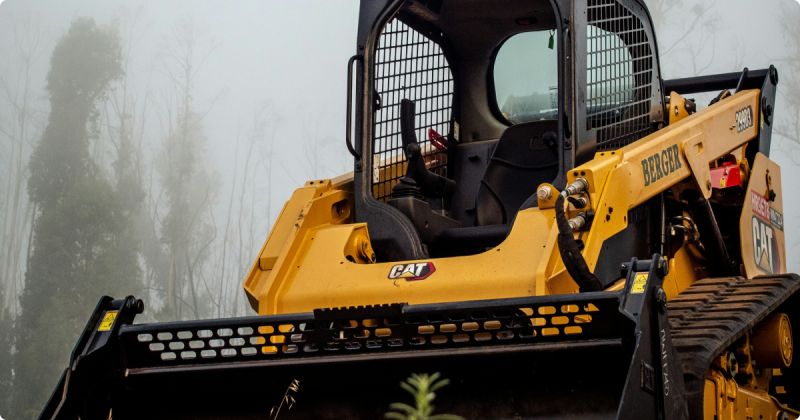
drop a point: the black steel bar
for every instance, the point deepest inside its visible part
(715, 82)
(403, 355)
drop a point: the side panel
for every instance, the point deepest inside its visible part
(762, 231)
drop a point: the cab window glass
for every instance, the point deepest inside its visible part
(526, 78)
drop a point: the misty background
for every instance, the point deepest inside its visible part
(201, 119)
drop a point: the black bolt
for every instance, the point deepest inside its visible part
(608, 217)
(664, 266)
(661, 298)
(139, 306)
(611, 209)
(773, 76)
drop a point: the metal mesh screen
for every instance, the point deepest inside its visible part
(619, 75)
(408, 65)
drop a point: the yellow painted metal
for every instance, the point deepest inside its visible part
(761, 224)
(773, 344)
(677, 108)
(724, 399)
(307, 268)
(316, 205)
(685, 268)
(322, 277)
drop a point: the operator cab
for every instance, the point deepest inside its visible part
(469, 106)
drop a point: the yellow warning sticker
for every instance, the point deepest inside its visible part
(108, 321)
(639, 283)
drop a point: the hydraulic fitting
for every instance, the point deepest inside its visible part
(578, 221)
(580, 185)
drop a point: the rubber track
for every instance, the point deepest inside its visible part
(712, 314)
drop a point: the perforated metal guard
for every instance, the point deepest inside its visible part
(408, 65)
(619, 75)
(533, 321)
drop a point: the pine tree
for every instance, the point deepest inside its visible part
(83, 246)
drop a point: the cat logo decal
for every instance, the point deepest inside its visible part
(412, 271)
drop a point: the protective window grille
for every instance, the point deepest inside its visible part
(408, 65)
(619, 75)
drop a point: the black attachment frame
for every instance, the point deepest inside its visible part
(96, 359)
(634, 320)
(655, 387)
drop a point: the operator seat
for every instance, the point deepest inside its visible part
(525, 157)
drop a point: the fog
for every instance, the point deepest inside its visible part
(259, 88)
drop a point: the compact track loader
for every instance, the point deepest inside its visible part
(533, 212)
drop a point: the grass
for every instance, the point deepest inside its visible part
(422, 388)
(288, 400)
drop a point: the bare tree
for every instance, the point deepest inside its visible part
(187, 227)
(789, 92)
(22, 128)
(245, 223)
(320, 154)
(686, 32)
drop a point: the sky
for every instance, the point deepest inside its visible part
(291, 56)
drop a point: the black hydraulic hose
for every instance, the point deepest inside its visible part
(710, 235)
(571, 253)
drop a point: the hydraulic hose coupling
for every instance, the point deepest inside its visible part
(578, 221)
(579, 186)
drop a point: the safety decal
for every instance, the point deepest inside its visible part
(412, 272)
(639, 282)
(108, 321)
(765, 247)
(744, 119)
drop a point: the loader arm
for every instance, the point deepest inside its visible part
(626, 178)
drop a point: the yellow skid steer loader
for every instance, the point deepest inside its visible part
(534, 212)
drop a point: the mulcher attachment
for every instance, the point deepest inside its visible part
(600, 355)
